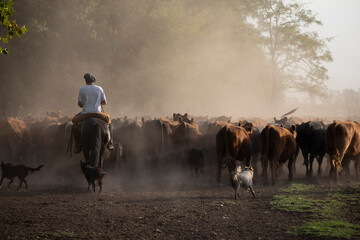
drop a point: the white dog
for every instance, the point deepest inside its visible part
(242, 179)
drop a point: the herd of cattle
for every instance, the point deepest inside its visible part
(187, 143)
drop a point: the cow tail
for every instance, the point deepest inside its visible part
(225, 163)
(267, 141)
(95, 144)
(162, 137)
(337, 129)
(307, 144)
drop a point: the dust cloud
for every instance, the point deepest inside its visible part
(152, 59)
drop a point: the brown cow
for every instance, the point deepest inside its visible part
(15, 140)
(277, 145)
(233, 143)
(343, 143)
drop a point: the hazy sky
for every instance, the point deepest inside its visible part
(341, 19)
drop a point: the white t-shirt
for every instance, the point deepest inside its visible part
(91, 97)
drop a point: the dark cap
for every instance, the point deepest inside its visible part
(89, 78)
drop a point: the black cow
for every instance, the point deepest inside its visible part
(311, 140)
(196, 161)
(255, 148)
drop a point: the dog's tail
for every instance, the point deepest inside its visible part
(35, 169)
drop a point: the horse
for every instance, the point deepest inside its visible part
(94, 136)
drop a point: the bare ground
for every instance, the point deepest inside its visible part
(148, 209)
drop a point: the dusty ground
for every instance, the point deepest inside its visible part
(148, 209)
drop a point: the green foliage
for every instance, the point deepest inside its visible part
(12, 28)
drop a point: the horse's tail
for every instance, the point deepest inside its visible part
(69, 148)
(96, 145)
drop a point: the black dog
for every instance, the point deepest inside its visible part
(92, 174)
(21, 171)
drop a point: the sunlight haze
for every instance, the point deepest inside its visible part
(341, 20)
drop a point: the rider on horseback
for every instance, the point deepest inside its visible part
(91, 98)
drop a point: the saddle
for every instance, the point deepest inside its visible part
(79, 118)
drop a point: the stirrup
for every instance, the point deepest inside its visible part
(110, 146)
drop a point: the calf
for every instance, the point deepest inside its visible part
(92, 174)
(196, 161)
(242, 179)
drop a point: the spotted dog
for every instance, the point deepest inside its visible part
(243, 179)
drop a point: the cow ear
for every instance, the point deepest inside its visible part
(240, 123)
(293, 127)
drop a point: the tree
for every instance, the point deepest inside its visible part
(296, 54)
(12, 28)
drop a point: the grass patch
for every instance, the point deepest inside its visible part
(326, 228)
(303, 203)
(297, 187)
(353, 197)
(325, 210)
